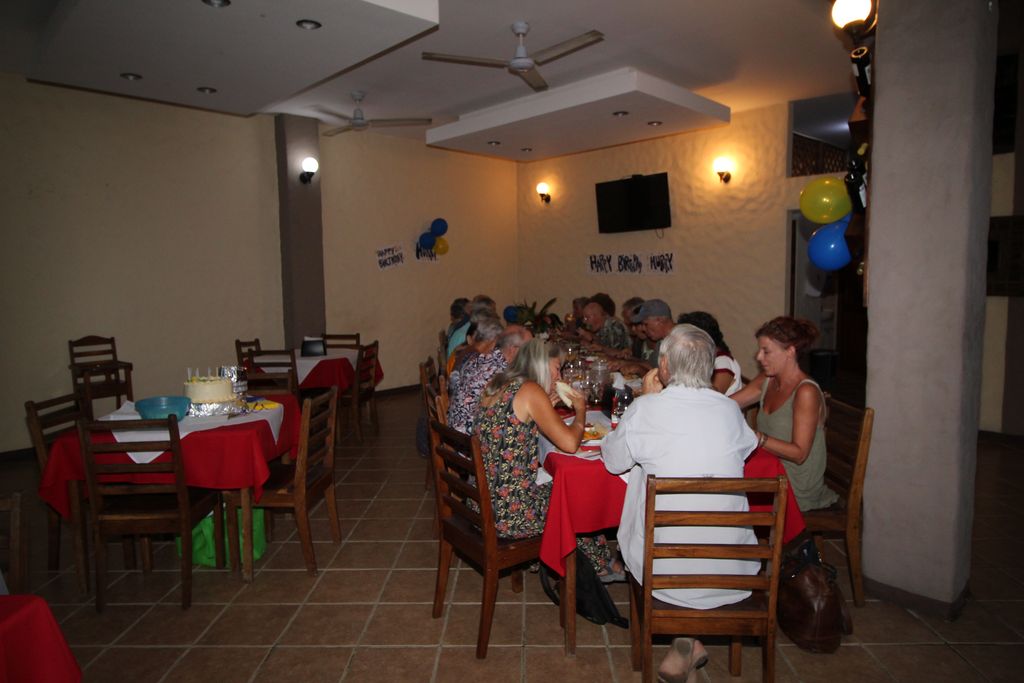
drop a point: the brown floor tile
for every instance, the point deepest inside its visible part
(932, 663)
(63, 589)
(86, 627)
(367, 555)
(410, 585)
(993, 583)
(381, 530)
(428, 508)
(277, 586)
(171, 625)
(352, 508)
(464, 625)
(408, 476)
(881, 622)
(372, 664)
(348, 586)
(249, 625)
(422, 530)
(550, 664)
(390, 625)
(418, 554)
(327, 625)
(289, 555)
(217, 665)
(309, 665)
(974, 625)
(356, 491)
(717, 668)
(392, 508)
(1010, 612)
(543, 628)
(210, 586)
(405, 490)
(85, 654)
(851, 663)
(469, 587)
(366, 477)
(999, 663)
(460, 665)
(136, 587)
(132, 664)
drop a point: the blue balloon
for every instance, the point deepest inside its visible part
(427, 241)
(827, 248)
(511, 314)
(438, 227)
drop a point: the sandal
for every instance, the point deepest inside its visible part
(609, 575)
(682, 661)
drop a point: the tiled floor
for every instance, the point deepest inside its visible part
(366, 617)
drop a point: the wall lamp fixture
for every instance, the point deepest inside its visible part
(724, 167)
(545, 192)
(309, 168)
(857, 17)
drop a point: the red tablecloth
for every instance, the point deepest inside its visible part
(228, 457)
(32, 647)
(763, 464)
(585, 498)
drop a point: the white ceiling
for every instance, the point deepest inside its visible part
(741, 54)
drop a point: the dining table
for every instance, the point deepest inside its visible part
(32, 646)
(336, 369)
(222, 453)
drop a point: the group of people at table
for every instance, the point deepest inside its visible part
(687, 422)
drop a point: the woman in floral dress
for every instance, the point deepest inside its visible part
(513, 407)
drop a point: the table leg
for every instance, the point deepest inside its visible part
(231, 531)
(247, 559)
(568, 603)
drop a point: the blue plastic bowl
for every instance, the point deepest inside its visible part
(159, 407)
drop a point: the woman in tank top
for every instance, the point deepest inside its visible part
(791, 418)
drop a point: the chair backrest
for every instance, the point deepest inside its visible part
(272, 371)
(428, 372)
(769, 550)
(848, 442)
(96, 371)
(13, 539)
(442, 351)
(340, 341)
(365, 380)
(109, 470)
(243, 347)
(461, 478)
(316, 439)
(91, 350)
(46, 420)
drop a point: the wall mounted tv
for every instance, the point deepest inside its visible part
(639, 202)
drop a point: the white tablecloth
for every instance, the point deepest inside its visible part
(595, 417)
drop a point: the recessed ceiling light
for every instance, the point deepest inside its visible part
(217, 3)
(206, 90)
(619, 114)
(526, 149)
(128, 76)
(494, 143)
(654, 123)
(308, 24)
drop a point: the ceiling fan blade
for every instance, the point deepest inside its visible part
(567, 47)
(336, 131)
(378, 123)
(460, 59)
(335, 114)
(533, 79)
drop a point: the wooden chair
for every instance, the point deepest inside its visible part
(272, 372)
(96, 371)
(243, 347)
(46, 421)
(442, 351)
(754, 616)
(119, 506)
(428, 378)
(297, 486)
(363, 390)
(467, 525)
(14, 539)
(848, 441)
(341, 341)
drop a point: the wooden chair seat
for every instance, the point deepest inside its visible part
(281, 481)
(156, 510)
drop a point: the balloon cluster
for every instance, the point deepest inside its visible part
(825, 200)
(434, 238)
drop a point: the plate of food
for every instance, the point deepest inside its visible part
(593, 435)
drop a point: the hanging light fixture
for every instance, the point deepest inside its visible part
(857, 17)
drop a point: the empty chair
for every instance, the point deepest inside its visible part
(14, 540)
(847, 442)
(467, 525)
(297, 486)
(120, 504)
(341, 341)
(242, 349)
(272, 371)
(96, 371)
(46, 420)
(754, 616)
(363, 390)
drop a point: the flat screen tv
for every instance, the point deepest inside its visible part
(639, 202)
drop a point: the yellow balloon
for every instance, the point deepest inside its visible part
(441, 246)
(824, 200)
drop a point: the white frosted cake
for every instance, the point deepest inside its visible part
(209, 390)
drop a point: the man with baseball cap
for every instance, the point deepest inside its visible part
(656, 317)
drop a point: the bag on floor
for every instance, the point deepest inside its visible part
(204, 549)
(593, 602)
(811, 608)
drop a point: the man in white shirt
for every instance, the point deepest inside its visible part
(682, 427)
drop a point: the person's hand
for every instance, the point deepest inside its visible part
(585, 334)
(579, 404)
(652, 383)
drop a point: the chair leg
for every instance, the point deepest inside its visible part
(231, 506)
(186, 565)
(101, 568)
(768, 657)
(567, 607)
(146, 544)
(635, 626)
(490, 596)
(80, 537)
(444, 561)
(735, 656)
(331, 503)
(268, 524)
(853, 549)
(301, 513)
(53, 540)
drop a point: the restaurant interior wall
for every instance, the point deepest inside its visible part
(151, 223)
(381, 191)
(729, 240)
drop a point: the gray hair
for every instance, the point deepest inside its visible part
(689, 355)
(487, 328)
(478, 312)
(513, 336)
(531, 363)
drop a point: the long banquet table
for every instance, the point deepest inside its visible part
(336, 369)
(32, 646)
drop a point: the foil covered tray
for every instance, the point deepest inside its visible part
(233, 407)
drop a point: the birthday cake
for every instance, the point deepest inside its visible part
(209, 389)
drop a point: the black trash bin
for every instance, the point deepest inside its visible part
(824, 365)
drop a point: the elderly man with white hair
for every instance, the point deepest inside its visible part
(477, 371)
(682, 427)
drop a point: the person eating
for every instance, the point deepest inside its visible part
(726, 376)
(602, 331)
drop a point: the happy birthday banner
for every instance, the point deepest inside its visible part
(631, 263)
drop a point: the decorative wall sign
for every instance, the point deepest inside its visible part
(390, 257)
(631, 263)
(425, 255)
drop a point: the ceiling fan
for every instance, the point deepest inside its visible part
(523, 64)
(359, 122)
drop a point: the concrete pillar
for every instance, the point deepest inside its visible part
(301, 220)
(929, 180)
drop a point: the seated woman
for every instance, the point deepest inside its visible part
(514, 406)
(791, 417)
(725, 378)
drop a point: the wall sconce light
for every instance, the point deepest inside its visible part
(545, 192)
(309, 169)
(857, 17)
(724, 167)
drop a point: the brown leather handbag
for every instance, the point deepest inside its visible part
(811, 608)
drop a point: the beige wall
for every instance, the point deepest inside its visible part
(379, 191)
(730, 241)
(130, 219)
